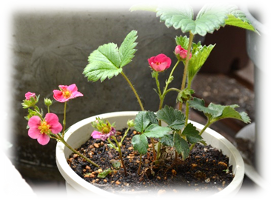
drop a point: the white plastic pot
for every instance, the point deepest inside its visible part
(80, 132)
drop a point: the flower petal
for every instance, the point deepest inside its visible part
(58, 96)
(34, 133)
(96, 134)
(53, 121)
(43, 139)
(34, 122)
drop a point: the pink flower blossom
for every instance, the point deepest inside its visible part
(181, 52)
(28, 95)
(160, 62)
(103, 136)
(66, 93)
(40, 129)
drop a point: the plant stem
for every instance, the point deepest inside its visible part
(191, 36)
(120, 154)
(64, 120)
(208, 123)
(140, 162)
(134, 90)
(59, 137)
(125, 134)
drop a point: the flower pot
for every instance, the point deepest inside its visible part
(80, 132)
(257, 48)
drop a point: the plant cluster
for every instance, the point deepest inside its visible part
(168, 127)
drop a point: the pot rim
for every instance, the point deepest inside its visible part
(71, 177)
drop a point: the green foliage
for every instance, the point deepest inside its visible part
(147, 124)
(115, 163)
(184, 95)
(104, 173)
(216, 112)
(140, 143)
(174, 118)
(143, 119)
(156, 131)
(181, 145)
(209, 18)
(192, 134)
(199, 56)
(107, 61)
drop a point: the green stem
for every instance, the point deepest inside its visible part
(191, 36)
(140, 162)
(125, 134)
(208, 123)
(64, 120)
(134, 90)
(120, 154)
(165, 91)
(60, 138)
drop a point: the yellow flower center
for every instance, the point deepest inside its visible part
(44, 128)
(105, 130)
(66, 94)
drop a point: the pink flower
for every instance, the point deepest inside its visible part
(28, 95)
(41, 129)
(103, 136)
(66, 93)
(160, 62)
(181, 52)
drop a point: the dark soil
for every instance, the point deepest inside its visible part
(206, 169)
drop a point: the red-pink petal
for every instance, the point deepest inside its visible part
(53, 121)
(34, 133)
(96, 134)
(43, 139)
(34, 122)
(58, 96)
(28, 95)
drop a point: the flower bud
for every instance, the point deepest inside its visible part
(47, 102)
(181, 53)
(130, 123)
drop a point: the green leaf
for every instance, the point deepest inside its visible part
(143, 119)
(156, 131)
(184, 95)
(199, 56)
(104, 173)
(191, 133)
(146, 6)
(107, 61)
(167, 140)
(238, 18)
(181, 146)
(183, 41)
(115, 163)
(181, 17)
(140, 143)
(228, 112)
(103, 63)
(211, 18)
(126, 49)
(199, 104)
(174, 118)
(217, 112)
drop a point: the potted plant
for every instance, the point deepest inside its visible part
(117, 151)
